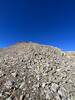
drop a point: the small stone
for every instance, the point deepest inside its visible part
(43, 85)
(8, 84)
(1, 73)
(47, 96)
(29, 98)
(59, 92)
(54, 87)
(29, 81)
(27, 95)
(9, 98)
(37, 77)
(70, 81)
(22, 97)
(0, 94)
(22, 85)
(14, 74)
(58, 70)
(73, 97)
(57, 97)
(7, 93)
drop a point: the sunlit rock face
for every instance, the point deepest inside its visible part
(30, 71)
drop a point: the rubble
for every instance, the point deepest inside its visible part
(30, 71)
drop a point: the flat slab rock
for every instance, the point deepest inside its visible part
(30, 71)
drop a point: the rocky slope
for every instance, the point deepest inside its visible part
(30, 71)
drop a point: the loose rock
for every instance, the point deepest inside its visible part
(30, 71)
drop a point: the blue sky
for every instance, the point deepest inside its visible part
(50, 22)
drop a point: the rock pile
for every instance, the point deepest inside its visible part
(30, 71)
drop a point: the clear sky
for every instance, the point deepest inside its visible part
(49, 22)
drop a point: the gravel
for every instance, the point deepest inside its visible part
(30, 71)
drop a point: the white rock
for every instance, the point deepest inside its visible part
(8, 84)
(0, 94)
(22, 85)
(29, 98)
(57, 97)
(21, 97)
(1, 73)
(14, 74)
(9, 98)
(37, 76)
(43, 85)
(47, 96)
(58, 70)
(54, 87)
(59, 92)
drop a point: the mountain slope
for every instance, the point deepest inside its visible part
(30, 71)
